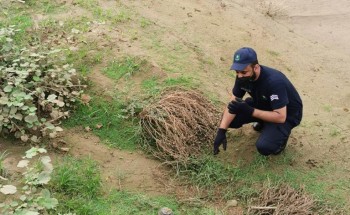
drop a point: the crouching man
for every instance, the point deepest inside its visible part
(274, 106)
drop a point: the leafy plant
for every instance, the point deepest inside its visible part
(2, 169)
(34, 198)
(36, 91)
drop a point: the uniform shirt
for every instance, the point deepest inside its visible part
(272, 90)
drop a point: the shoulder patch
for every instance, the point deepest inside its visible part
(273, 97)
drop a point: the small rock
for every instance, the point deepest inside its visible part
(232, 203)
(64, 149)
(75, 31)
(165, 211)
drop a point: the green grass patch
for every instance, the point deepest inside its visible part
(246, 180)
(84, 58)
(3, 171)
(87, 4)
(108, 15)
(113, 16)
(21, 20)
(121, 203)
(118, 129)
(125, 67)
(184, 81)
(76, 183)
(45, 6)
(144, 22)
(208, 171)
(77, 177)
(334, 132)
(81, 23)
(151, 86)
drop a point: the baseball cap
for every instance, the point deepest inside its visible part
(242, 58)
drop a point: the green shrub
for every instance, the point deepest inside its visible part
(31, 197)
(36, 91)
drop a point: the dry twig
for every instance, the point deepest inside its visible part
(283, 200)
(182, 124)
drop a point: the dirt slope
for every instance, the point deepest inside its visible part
(315, 65)
(307, 40)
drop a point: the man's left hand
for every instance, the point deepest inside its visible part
(240, 108)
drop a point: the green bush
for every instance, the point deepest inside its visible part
(31, 196)
(36, 90)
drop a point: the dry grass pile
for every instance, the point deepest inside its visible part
(283, 200)
(182, 124)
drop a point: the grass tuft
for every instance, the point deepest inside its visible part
(118, 128)
(125, 67)
(3, 171)
(77, 186)
(77, 177)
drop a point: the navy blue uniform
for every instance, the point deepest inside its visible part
(272, 90)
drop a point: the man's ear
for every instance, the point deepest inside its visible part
(256, 67)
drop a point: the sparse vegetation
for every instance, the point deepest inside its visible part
(126, 67)
(77, 183)
(3, 171)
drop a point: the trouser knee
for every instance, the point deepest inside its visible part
(264, 149)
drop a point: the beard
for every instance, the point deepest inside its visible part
(246, 80)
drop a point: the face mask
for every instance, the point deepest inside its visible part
(246, 80)
(243, 80)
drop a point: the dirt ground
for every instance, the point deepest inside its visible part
(299, 38)
(306, 39)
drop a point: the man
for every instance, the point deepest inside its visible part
(274, 104)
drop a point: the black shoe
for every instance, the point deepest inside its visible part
(258, 126)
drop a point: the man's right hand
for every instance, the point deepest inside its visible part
(220, 139)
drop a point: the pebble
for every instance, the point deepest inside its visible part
(231, 203)
(165, 211)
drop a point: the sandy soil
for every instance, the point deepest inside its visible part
(121, 170)
(307, 40)
(314, 64)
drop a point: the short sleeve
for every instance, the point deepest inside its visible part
(278, 95)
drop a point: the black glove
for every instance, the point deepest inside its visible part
(240, 107)
(220, 139)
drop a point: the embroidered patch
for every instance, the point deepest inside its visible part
(273, 97)
(238, 57)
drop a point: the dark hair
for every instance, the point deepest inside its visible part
(254, 63)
